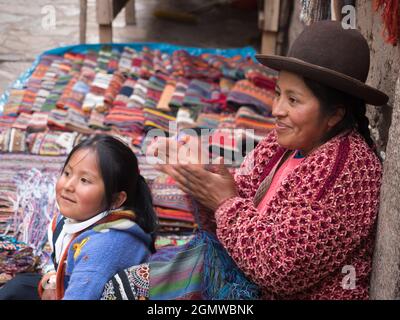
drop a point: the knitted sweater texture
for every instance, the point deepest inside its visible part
(314, 238)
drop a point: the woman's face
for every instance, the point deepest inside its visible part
(299, 123)
(80, 190)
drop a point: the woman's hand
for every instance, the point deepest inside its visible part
(210, 189)
(183, 160)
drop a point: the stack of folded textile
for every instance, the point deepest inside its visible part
(174, 208)
(138, 97)
(45, 100)
(146, 68)
(111, 92)
(126, 119)
(179, 94)
(245, 93)
(56, 119)
(125, 92)
(159, 120)
(199, 96)
(192, 67)
(12, 140)
(155, 89)
(247, 118)
(125, 61)
(94, 99)
(15, 100)
(208, 120)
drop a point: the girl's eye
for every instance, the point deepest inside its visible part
(292, 100)
(277, 93)
(66, 173)
(84, 180)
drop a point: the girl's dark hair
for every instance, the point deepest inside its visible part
(120, 172)
(331, 99)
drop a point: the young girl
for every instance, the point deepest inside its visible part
(106, 220)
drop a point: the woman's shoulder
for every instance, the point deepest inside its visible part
(348, 148)
(361, 151)
(268, 146)
(346, 160)
(269, 140)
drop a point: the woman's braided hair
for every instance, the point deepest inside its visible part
(355, 110)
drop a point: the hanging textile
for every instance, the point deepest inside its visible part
(390, 16)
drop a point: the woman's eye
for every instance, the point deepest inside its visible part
(277, 93)
(66, 173)
(84, 180)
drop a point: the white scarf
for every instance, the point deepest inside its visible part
(71, 227)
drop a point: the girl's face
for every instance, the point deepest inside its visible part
(80, 190)
(299, 123)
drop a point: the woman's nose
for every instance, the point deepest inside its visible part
(278, 108)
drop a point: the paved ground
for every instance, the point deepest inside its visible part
(27, 28)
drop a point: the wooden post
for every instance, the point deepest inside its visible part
(336, 10)
(82, 21)
(130, 14)
(104, 14)
(106, 11)
(385, 278)
(270, 26)
(105, 33)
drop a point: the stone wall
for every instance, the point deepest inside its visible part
(383, 70)
(385, 122)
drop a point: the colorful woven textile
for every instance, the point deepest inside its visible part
(200, 269)
(247, 118)
(12, 140)
(111, 92)
(159, 120)
(167, 194)
(245, 93)
(179, 93)
(129, 284)
(199, 95)
(191, 67)
(126, 119)
(171, 240)
(15, 257)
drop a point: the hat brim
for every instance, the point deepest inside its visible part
(325, 76)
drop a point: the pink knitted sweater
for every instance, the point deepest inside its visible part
(317, 231)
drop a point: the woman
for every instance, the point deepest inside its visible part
(298, 216)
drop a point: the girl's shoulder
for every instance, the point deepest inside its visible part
(121, 233)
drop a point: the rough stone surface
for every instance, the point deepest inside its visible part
(384, 69)
(385, 281)
(385, 123)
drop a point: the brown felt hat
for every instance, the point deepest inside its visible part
(334, 56)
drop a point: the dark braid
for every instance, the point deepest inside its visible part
(331, 99)
(363, 124)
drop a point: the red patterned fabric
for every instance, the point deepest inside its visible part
(321, 219)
